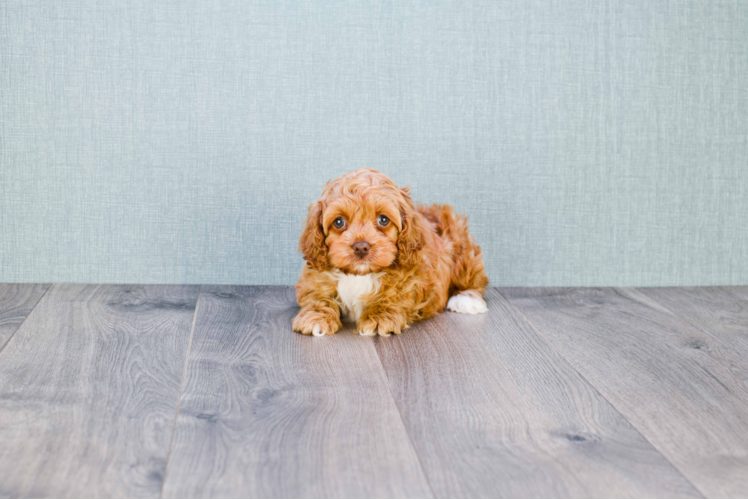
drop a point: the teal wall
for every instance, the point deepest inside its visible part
(592, 142)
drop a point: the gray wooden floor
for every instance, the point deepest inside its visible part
(187, 391)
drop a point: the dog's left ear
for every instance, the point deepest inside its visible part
(413, 233)
(312, 241)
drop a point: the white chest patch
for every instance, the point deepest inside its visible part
(352, 292)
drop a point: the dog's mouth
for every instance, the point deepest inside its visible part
(362, 265)
(360, 268)
(347, 261)
(363, 268)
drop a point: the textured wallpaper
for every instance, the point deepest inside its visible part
(590, 142)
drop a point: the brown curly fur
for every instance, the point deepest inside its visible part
(423, 256)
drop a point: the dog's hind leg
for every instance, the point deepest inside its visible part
(468, 278)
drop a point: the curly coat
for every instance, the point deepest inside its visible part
(419, 259)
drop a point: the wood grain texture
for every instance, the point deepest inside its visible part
(719, 313)
(663, 374)
(493, 411)
(16, 302)
(266, 412)
(89, 387)
(738, 291)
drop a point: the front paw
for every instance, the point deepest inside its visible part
(315, 322)
(381, 324)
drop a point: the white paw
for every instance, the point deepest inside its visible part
(467, 303)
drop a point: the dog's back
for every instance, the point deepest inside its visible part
(467, 264)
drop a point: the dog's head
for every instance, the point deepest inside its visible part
(363, 223)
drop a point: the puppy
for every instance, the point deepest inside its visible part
(375, 259)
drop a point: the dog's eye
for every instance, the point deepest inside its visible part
(383, 221)
(339, 223)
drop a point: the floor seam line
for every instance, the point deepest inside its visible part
(549, 343)
(181, 388)
(24, 319)
(402, 421)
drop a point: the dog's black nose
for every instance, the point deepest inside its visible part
(361, 248)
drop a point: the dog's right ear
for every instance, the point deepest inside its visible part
(312, 242)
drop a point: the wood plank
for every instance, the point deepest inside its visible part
(16, 302)
(493, 411)
(89, 388)
(660, 372)
(738, 291)
(266, 412)
(716, 311)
